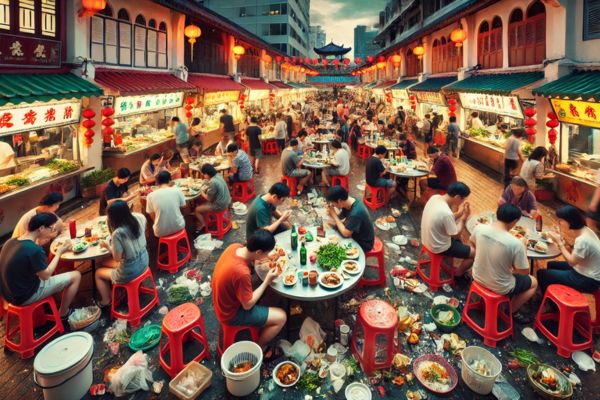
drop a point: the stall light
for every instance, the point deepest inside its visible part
(267, 59)
(358, 60)
(419, 51)
(458, 36)
(91, 7)
(396, 59)
(192, 32)
(381, 65)
(238, 51)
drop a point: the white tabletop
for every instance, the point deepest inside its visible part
(409, 173)
(222, 163)
(92, 252)
(311, 293)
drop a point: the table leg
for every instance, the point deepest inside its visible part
(416, 180)
(93, 261)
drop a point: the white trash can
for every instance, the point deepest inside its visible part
(242, 383)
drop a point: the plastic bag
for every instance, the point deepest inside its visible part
(117, 332)
(134, 375)
(299, 351)
(311, 333)
(206, 242)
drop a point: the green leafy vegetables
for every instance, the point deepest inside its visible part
(331, 256)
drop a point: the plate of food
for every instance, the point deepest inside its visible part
(537, 245)
(518, 231)
(80, 247)
(351, 267)
(286, 374)
(352, 252)
(331, 280)
(545, 237)
(383, 223)
(435, 373)
(290, 279)
(549, 382)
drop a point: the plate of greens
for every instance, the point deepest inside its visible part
(331, 256)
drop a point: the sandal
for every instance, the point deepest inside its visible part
(272, 353)
(101, 306)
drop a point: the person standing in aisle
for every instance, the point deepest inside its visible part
(227, 126)
(512, 154)
(182, 138)
(280, 131)
(253, 133)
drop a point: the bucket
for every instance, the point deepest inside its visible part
(243, 383)
(63, 368)
(476, 382)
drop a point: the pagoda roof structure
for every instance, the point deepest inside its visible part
(332, 49)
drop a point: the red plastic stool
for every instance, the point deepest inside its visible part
(363, 151)
(230, 332)
(29, 317)
(218, 223)
(133, 289)
(375, 196)
(596, 322)
(270, 147)
(243, 190)
(436, 266)
(169, 260)
(428, 193)
(573, 315)
(376, 252)
(182, 324)
(374, 336)
(491, 305)
(291, 183)
(341, 181)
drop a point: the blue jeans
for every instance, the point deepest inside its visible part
(560, 272)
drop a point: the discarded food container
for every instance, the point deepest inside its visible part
(191, 381)
(481, 384)
(63, 368)
(242, 383)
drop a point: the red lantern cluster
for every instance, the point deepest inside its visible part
(413, 102)
(189, 106)
(315, 61)
(324, 62)
(530, 123)
(388, 96)
(370, 59)
(336, 62)
(107, 123)
(452, 107)
(358, 60)
(241, 101)
(278, 58)
(88, 124)
(552, 123)
(272, 99)
(380, 59)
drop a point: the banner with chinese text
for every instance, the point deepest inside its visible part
(128, 105)
(31, 117)
(577, 112)
(29, 51)
(212, 98)
(502, 105)
(436, 98)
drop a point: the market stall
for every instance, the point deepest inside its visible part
(143, 104)
(40, 146)
(499, 100)
(430, 97)
(216, 92)
(400, 96)
(260, 91)
(285, 94)
(574, 101)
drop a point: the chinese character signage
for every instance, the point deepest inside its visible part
(258, 95)
(436, 98)
(212, 98)
(502, 105)
(128, 105)
(577, 112)
(29, 51)
(32, 117)
(400, 94)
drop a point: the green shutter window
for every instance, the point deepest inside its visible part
(591, 19)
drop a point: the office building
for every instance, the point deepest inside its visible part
(364, 44)
(317, 39)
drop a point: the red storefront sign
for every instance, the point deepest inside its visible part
(29, 51)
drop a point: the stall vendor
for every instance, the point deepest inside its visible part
(7, 156)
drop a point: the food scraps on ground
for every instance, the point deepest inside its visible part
(287, 374)
(436, 376)
(453, 343)
(399, 380)
(310, 382)
(98, 389)
(189, 383)
(481, 367)
(413, 338)
(401, 361)
(524, 356)
(548, 379)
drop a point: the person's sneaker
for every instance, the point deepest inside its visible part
(522, 319)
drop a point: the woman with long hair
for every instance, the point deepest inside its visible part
(127, 247)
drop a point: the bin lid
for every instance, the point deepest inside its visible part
(63, 353)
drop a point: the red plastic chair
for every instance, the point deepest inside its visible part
(291, 183)
(491, 304)
(243, 190)
(270, 147)
(218, 223)
(596, 322)
(175, 243)
(229, 334)
(374, 336)
(376, 252)
(436, 266)
(30, 317)
(341, 181)
(375, 197)
(363, 151)
(135, 312)
(428, 193)
(573, 316)
(182, 324)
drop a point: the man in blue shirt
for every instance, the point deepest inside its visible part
(182, 138)
(240, 164)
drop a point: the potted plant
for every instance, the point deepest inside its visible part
(94, 183)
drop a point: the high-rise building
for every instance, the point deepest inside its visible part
(282, 23)
(364, 44)
(317, 39)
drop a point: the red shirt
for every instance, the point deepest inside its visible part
(231, 285)
(444, 170)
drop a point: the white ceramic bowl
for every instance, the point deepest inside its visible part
(276, 369)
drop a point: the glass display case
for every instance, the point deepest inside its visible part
(583, 156)
(141, 131)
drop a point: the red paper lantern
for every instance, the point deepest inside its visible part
(189, 114)
(452, 101)
(336, 62)
(189, 100)
(109, 130)
(188, 107)
(552, 115)
(108, 122)
(530, 112)
(530, 122)
(89, 133)
(108, 111)
(370, 59)
(91, 7)
(552, 123)
(530, 131)
(89, 141)
(325, 62)
(88, 113)
(88, 123)
(452, 108)
(278, 58)
(381, 59)
(357, 60)
(552, 134)
(346, 61)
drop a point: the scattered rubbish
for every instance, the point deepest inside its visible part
(401, 361)
(298, 351)
(396, 213)
(447, 288)
(414, 243)
(452, 343)
(311, 333)
(157, 387)
(205, 289)
(163, 310)
(183, 290)
(524, 356)
(596, 356)
(296, 309)
(530, 335)
(337, 373)
(583, 361)
(430, 327)
(191, 381)
(393, 247)
(98, 389)
(134, 375)
(206, 242)
(117, 333)
(574, 379)
(398, 380)
(82, 318)
(503, 390)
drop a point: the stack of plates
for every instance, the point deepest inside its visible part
(239, 208)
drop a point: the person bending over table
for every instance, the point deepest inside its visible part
(217, 195)
(235, 302)
(240, 164)
(440, 223)
(354, 220)
(25, 274)
(375, 171)
(501, 260)
(117, 189)
(533, 168)
(164, 206)
(408, 147)
(264, 209)
(291, 165)
(518, 194)
(442, 173)
(339, 135)
(127, 247)
(151, 168)
(196, 150)
(48, 204)
(341, 163)
(221, 149)
(304, 143)
(581, 270)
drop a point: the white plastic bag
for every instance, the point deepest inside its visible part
(206, 242)
(134, 375)
(311, 333)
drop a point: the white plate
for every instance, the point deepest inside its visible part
(283, 275)
(331, 287)
(240, 212)
(384, 226)
(400, 240)
(360, 187)
(351, 272)
(358, 391)
(355, 257)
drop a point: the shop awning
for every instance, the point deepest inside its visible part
(433, 84)
(257, 84)
(499, 84)
(27, 88)
(129, 82)
(214, 83)
(404, 84)
(385, 84)
(298, 85)
(584, 85)
(280, 85)
(332, 80)
(370, 85)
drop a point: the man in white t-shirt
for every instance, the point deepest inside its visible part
(501, 260)
(341, 163)
(440, 223)
(593, 213)
(164, 207)
(7, 156)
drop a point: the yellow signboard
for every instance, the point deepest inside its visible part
(228, 96)
(577, 112)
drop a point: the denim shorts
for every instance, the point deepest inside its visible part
(383, 182)
(48, 287)
(257, 316)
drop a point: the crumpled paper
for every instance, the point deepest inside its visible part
(206, 242)
(311, 333)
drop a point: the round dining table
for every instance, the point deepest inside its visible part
(410, 173)
(221, 163)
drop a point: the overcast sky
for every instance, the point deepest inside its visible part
(339, 17)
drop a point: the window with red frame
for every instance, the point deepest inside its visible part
(445, 56)
(489, 44)
(527, 35)
(413, 64)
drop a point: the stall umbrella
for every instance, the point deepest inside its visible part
(108, 122)
(88, 124)
(552, 123)
(530, 124)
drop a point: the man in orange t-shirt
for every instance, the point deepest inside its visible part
(234, 300)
